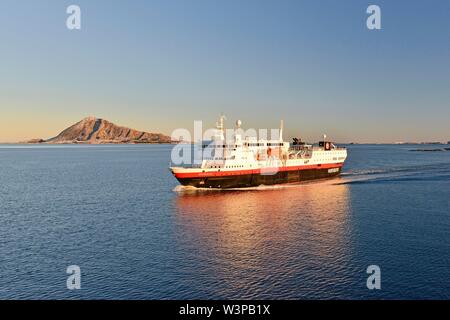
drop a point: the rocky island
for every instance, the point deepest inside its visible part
(92, 130)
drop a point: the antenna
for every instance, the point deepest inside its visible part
(220, 123)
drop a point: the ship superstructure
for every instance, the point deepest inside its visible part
(245, 161)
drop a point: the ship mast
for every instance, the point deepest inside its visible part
(220, 126)
(281, 130)
(220, 137)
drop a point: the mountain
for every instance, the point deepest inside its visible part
(92, 130)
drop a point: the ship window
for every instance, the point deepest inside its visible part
(273, 144)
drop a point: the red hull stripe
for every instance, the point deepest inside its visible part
(207, 174)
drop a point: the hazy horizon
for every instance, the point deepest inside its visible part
(230, 124)
(159, 65)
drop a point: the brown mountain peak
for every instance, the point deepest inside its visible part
(93, 130)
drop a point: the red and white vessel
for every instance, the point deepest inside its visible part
(248, 161)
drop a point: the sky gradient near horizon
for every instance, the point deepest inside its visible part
(160, 65)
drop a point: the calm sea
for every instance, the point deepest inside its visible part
(116, 212)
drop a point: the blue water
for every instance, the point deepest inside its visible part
(117, 212)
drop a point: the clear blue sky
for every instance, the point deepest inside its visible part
(160, 65)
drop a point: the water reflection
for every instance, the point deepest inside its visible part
(266, 241)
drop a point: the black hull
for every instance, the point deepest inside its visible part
(253, 180)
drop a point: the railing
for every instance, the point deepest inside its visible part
(299, 147)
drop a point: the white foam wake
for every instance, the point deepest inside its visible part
(191, 189)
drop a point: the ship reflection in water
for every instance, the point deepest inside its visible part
(282, 241)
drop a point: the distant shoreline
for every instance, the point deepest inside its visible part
(175, 142)
(90, 143)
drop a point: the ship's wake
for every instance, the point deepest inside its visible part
(431, 172)
(193, 190)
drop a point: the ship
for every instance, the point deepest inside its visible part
(246, 161)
